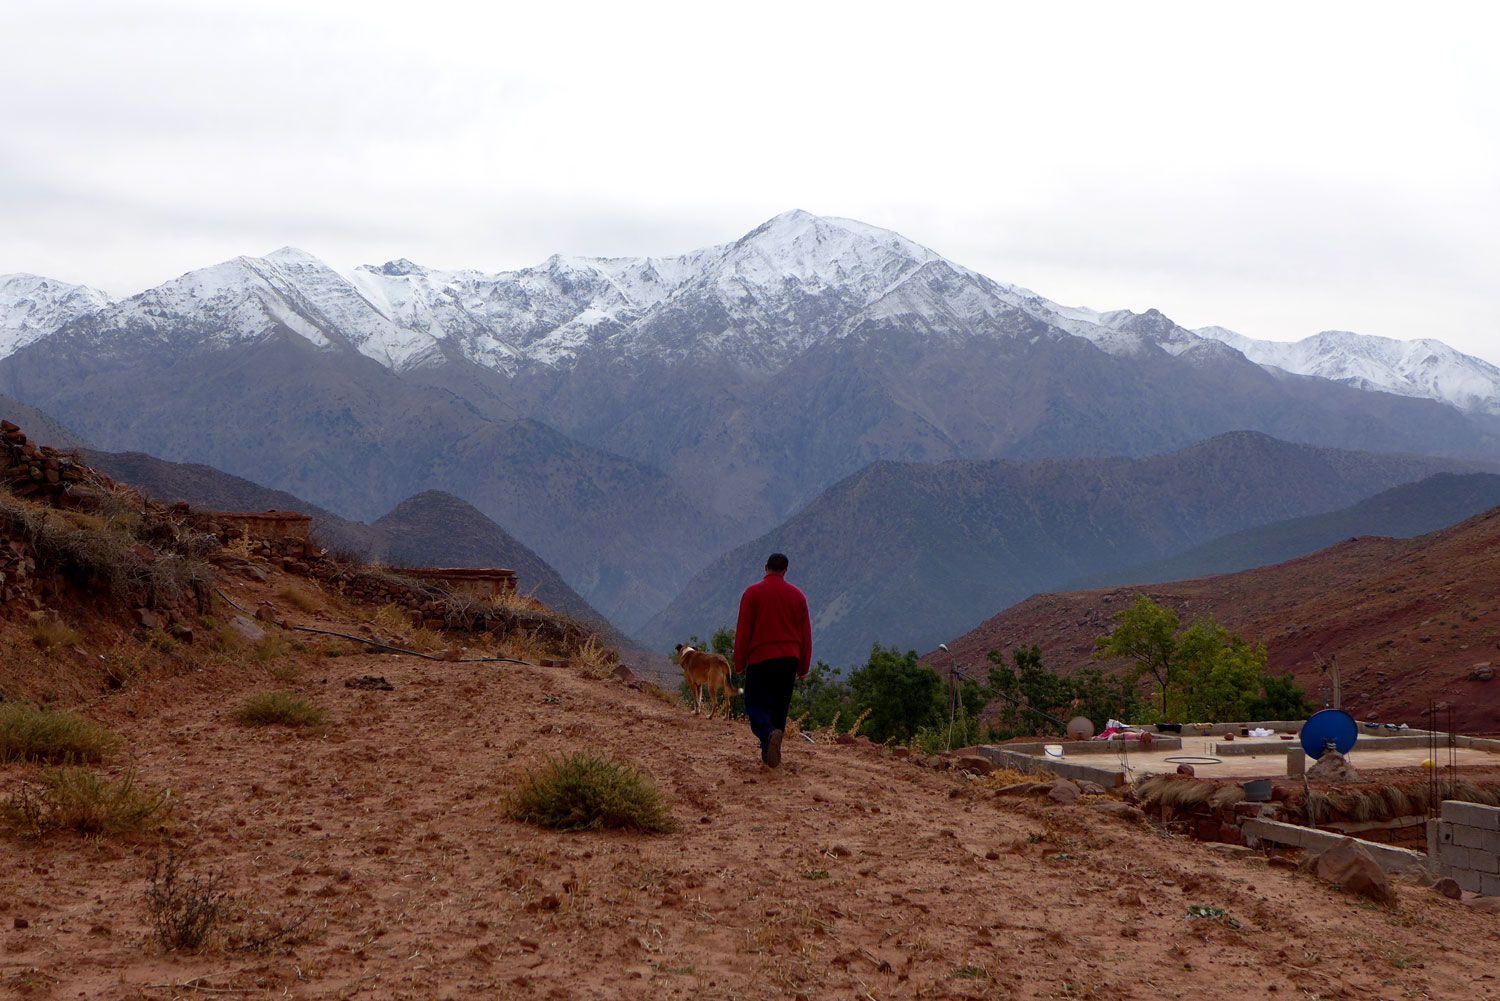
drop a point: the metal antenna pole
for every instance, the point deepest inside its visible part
(951, 698)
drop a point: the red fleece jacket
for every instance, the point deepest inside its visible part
(773, 623)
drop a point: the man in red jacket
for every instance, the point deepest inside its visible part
(772, 649)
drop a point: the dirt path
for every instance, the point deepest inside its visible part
(845, 874)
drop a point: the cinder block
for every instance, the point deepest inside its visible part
(1483, 861)
(1453, 855)
(1468, 837)
(1471, 881)
(1486, 818)
(1489, 885)
(1491, 842)
(1432, 839)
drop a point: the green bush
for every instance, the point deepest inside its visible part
(54, 736)
(285, 708)
(79, 799)
(581, 792)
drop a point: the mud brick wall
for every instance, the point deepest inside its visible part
(1464, 843)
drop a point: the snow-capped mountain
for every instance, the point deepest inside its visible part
(1423, 368)
(32, 307)
(757, 303)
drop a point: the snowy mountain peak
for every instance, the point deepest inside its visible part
(1423, 368)
(399, 267)
(31, 307)
(794, 281)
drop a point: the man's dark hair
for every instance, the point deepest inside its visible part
(777, 562)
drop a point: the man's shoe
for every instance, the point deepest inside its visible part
(772, 754)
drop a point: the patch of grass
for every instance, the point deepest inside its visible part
(288, 674)
(53, 736)
(159, 639)
(284, 708)
(970, 971)
(79, 799)
(272, 646)
(580, 792)
(298, 598)
(51, 634)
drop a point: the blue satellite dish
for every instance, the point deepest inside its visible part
(1329, 724)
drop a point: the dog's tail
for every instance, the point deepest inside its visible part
(729, 678)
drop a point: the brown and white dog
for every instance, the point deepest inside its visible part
(707, 670)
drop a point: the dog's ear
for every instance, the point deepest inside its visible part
(679, 648)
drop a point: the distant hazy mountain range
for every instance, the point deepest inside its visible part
(632, 419)
(914, 554)
(1400, 513)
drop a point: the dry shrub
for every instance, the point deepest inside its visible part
(94, 554)
(595, 661)
(298, 598)
(524, 646)
(580, 792)
(283, 708)
(425, 640)
(273, 645)
(79, 799)
(184, 909)
(158, 638)
(393, 617)
(54, 736)
(189, 910)
(51, 634)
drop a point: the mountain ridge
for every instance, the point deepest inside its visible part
(405, 315)
(909, 554)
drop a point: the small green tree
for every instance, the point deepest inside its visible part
(1090, 693)
(1281, 698)
(902, 694)
(1220, 673)
(1147, 634)
(1204, 672)
(1030, 683)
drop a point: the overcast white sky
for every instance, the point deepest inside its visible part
(1279, 169)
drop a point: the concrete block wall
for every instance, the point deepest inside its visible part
(1464, 843)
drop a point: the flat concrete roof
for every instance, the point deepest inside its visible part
(1368, 754)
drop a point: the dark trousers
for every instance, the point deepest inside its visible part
(768, 695)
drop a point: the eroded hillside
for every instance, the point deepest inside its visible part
(1411, 622)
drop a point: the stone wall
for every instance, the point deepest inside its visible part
(37, 471)
(272, 525)
(1464, 843)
